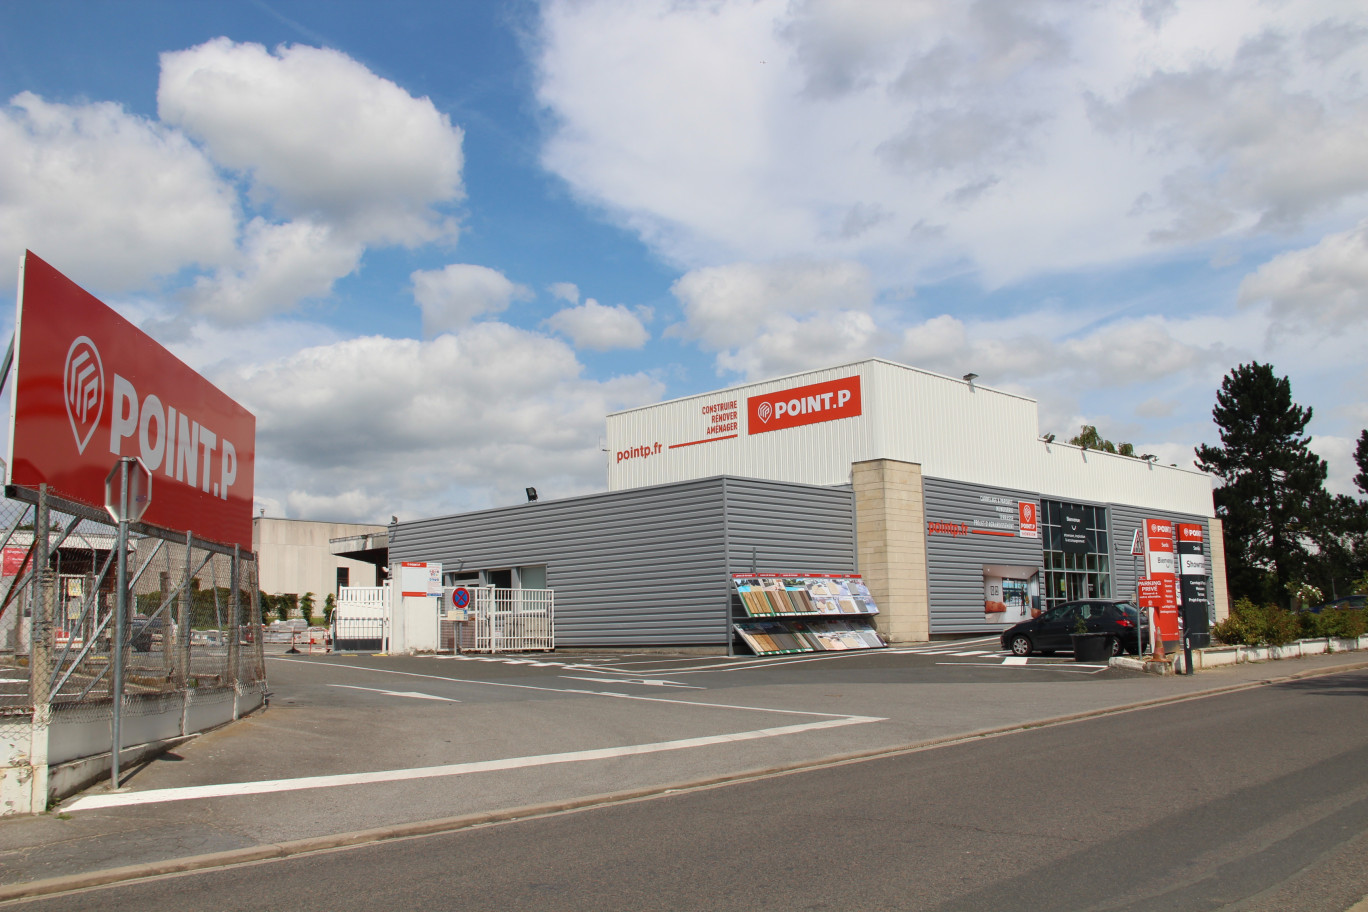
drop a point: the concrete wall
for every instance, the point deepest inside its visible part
(294, 556)
(66, 748)
(1220, 592)
(890, 531)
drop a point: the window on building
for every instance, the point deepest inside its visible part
(343, 577)
(1077, 552)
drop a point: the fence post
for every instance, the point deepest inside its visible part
(259, 631)
(40, 655)
(184, 614)
(40, 624)
(168, 613)
(234, 607)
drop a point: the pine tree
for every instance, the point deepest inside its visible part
(1361, 457)
(1272, 492)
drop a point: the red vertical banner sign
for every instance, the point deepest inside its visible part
(1162, 567)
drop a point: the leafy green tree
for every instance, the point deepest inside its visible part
(329, 606)
(1089, 437)
(1272, 494)
(306, 608)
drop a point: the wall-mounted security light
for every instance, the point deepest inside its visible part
(1049, 438)
(1148, 457)
(393, 520)
(531, 494)
(970, 378)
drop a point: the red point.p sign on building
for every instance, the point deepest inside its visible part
(811, 404)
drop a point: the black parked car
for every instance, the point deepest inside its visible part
(1053, 628)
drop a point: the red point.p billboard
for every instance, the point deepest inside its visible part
(89, 387)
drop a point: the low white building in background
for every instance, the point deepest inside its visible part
(295, 557)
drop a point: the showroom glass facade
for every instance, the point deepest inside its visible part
(1077, 552)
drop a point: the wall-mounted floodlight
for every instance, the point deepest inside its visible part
(531, 494)
(970, 378)
(1148, 457)
(1049, 438)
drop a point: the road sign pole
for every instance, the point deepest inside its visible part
(120, 625)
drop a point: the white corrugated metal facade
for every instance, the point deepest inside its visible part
(953, 429)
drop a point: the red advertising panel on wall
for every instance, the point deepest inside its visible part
(811, 404)
(90, 387)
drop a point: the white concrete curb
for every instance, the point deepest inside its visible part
(1216, 656)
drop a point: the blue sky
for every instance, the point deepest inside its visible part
(430, 245)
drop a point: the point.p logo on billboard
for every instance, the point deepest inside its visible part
(90, 388)
(83, 383)
(811, 404)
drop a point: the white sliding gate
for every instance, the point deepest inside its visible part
(510, 620)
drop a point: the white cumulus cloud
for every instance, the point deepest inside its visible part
(597, 327)
(464, 420)
(319, 135)
(1325, 285)
(115, 199)
(455, 295)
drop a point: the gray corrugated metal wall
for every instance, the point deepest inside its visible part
(645, 566)
(955, 562)
(789, 528)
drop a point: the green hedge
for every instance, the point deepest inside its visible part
(1334, 622)
(1257, 625)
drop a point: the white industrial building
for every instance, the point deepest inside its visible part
(939, 492)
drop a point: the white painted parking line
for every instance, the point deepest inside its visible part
(1018, 662)
(236, 789)
(411, 694)
(975, 652)
(638, 681)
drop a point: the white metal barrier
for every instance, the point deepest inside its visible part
(375, 598)
(512, 620)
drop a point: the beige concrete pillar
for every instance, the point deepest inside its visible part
(1220, 594)
(890, 528)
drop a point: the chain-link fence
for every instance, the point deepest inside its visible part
(190, 634)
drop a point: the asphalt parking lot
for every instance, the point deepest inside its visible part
(376, 744)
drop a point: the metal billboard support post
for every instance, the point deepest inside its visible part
(126, 505)
(120, 626)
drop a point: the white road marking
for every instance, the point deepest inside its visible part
(398, 693)
(1067, 668)
(234, 789)
(643, 682)
(573, 690)
(1014, 660)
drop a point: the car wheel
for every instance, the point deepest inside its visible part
(1020, 645)
(1116, 647)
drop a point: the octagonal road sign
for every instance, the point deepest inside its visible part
(139, 489)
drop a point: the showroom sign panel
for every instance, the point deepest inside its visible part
(801, 405)
(90, 388)
(1162, 564)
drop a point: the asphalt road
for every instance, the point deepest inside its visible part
(1253, 800)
